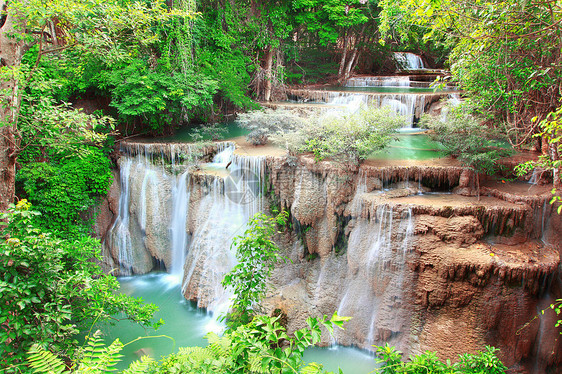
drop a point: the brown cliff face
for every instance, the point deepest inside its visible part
(471, 275)
(398, 248)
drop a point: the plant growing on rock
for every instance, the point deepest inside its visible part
(263, 124)
(346, 138)
(468, 139)
(256, 254)
(551, 128)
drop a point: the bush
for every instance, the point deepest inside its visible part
(467, 138)
(51, 289)
(65, 188)
(263, 124)
(346, 138)
(428, 362)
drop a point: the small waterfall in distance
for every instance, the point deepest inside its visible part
(409, 61)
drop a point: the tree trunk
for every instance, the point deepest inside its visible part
(11, 51)
(268, 73)
(555, 156)
(343, 56)
(351, 64)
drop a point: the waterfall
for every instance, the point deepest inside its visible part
(407, 105)
(376, 256)
(121, 235)
(180, 197)
(408, 61)
(185, 220)
(390, 81)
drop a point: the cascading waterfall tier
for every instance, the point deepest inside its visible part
(410, 105)
(174, 216)
(413, 267)
(408, 61)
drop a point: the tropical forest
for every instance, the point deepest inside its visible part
(283, 186)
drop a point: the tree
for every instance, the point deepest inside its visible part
(336, 21)
(102, 27)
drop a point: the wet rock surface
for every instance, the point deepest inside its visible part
(417, 269)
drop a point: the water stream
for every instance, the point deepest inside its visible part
(186, 325)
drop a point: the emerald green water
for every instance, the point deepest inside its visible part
(409, 146)
(185, 134)
(186, 325)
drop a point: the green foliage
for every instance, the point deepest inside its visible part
(469, 139)
(505, 54)
(52, 130)
(261, 346)
(51, 289)
(256, 254)
(159, 97)
(345, 138)
(551, 130)
(96, 358)
(263, 124)
(63, 189)
(43, 361)
(428, 362)
(328, 18)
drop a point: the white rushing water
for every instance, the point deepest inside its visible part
(376, 257)
(156, 220)
(180, 197)
(407, 105)
(408, 61)
(379, 81)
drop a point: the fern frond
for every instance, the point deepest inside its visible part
(98, 357)
(44, 362)
(221, 347)
(256, 365)
(139, 366)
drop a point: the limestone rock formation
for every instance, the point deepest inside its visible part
(408, 251)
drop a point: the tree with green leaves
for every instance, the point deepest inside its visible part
(339, 22)
(506, 54)
(110, 30)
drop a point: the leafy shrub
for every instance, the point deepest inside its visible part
(468, 139)
(65, 188)
(428, 362)
(51, 289)
(346, 138)
(263, 124)
(256, 254)
(261, 346)
(159, 97)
